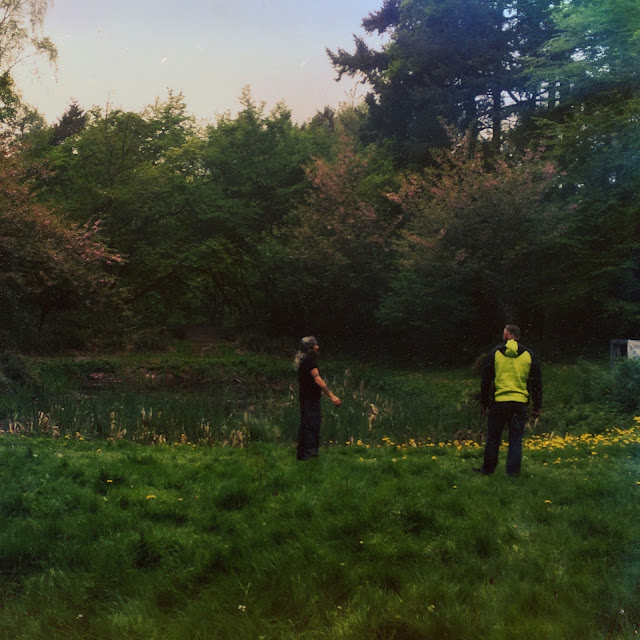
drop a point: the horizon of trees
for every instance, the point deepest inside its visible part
(489, 177)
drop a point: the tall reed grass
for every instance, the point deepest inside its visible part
(251, 399)
(254, 398)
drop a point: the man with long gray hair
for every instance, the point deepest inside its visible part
(310, 389)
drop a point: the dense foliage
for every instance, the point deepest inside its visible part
(489, 176)
(48, 265)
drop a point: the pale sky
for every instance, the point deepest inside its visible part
(129, 52)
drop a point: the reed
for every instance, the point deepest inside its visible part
(253, 398)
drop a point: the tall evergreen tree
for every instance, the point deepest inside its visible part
(72, 121)
(457, 61)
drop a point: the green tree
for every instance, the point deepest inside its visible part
(55, 275)
(336, 249)
(457, 61)
(474, 229)
(21, 32)
(111, 168)
(255, 160)
(21, 39)
(591, 128)
(253, 178)
(135, 174)
(189, 208)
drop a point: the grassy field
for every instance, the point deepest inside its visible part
(380, 539)
(158, 497)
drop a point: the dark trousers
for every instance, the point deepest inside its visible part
(309, 430)
(505, 414)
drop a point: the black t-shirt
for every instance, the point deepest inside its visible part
(308, 389)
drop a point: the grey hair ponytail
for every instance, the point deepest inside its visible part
(306, 345)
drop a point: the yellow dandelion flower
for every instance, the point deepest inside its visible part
(151, 497)
(109, 481)
(547, 502)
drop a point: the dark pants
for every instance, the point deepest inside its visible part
(309, 430)
(505, 414)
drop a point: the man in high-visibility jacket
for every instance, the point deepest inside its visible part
(511, 378)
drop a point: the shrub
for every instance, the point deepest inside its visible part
(626, 385)
(14, 370)
(593, 383)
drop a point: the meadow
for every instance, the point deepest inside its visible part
(389, 534)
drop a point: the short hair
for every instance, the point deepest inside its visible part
(514, 330)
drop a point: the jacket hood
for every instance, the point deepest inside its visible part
(511, 349)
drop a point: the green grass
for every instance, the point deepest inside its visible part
(117, 540)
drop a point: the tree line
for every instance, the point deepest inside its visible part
(488, 177)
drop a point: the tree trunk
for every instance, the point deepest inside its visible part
(496, 119)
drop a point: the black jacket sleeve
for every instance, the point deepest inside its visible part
(534, 383)
(488, 377)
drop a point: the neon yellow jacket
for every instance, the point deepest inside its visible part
(511, 373)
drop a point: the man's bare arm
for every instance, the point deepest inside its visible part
(315, 374)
